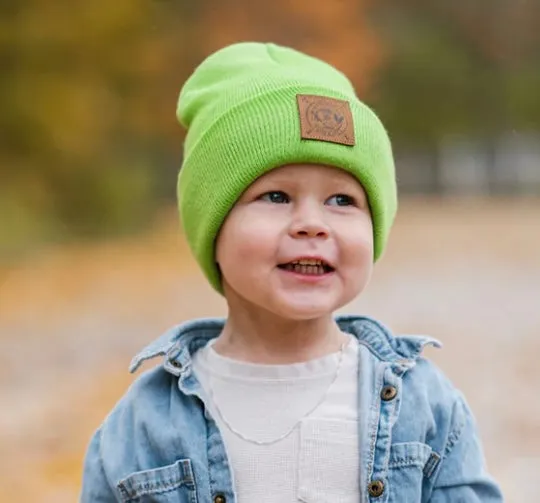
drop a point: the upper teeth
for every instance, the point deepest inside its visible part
(308, 262)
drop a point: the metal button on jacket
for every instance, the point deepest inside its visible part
(388, 393)
(219, 498)
(376, 488)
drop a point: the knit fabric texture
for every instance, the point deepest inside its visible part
(252, 107)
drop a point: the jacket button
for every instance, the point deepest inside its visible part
(376, 488)
(219, 498)
(388, 393)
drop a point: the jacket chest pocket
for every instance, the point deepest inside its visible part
(167, 484)
(407, 467)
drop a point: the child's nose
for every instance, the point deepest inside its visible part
(311, 232)
(309, 224)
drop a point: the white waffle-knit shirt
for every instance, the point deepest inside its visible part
(319, 461)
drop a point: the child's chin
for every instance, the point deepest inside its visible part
(306, 311)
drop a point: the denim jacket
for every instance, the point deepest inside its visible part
(418, 438)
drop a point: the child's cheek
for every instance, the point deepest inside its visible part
(249, 236)
(356, 248)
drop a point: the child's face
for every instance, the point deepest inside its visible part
(297, 213)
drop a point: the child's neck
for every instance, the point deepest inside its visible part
(267, 339)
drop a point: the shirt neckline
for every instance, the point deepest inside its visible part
(226, 367)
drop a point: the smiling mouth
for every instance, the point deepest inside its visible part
(311, 267)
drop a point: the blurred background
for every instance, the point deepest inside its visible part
(93, 264)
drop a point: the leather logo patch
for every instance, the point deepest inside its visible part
(325, 119)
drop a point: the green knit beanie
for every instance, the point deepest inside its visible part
(252, 107)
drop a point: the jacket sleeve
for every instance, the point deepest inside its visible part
(95, 486)
(462, 473)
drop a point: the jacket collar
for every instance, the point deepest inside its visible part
(180, 342)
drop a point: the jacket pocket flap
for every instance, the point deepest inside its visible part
(409, 454)
(157, 480)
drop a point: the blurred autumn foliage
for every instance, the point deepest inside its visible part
(460, 68)
(90, 144)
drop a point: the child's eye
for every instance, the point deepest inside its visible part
(275, 196)
(341, 200)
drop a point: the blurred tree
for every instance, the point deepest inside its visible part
(88, 93)
(338, 32)
(461, 67)
(90, 143)
(81, 98)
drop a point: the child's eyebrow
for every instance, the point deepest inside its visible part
(273, 184)
(334, 184)
(278, 179)
(345, 184)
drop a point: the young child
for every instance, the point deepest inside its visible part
(287, 194)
